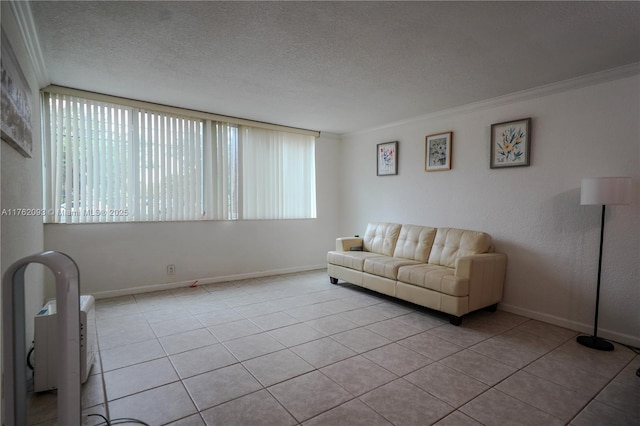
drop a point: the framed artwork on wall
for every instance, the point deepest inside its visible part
(510, 143)
(16, 102)
(437, 152)
(387, 158)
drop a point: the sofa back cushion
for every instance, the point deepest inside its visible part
(415, 242)
(451, 243)
(381, 237)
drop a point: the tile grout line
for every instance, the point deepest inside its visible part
(360, 327)
(103, 383)
(594, 398)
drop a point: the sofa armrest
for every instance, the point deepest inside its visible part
(485, 273)
(346, 243)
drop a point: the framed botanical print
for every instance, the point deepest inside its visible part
(511, 143)
(437, 152)
(387, 158)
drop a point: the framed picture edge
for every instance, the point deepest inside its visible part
(447, 166)
(527, 150)
(395, 169)
(15, 127)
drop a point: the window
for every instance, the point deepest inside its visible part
(110, 162)
(221, 171)
(278, 175)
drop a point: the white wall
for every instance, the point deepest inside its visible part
(123, 258)
(21, 187)
(533, 213)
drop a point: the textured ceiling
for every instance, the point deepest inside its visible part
(329, 66)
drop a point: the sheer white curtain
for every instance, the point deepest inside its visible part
(278, 174)
(112, 163)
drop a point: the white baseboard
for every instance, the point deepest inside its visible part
(203, 281)
(573, 325)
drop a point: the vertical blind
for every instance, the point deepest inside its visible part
(278, 174)
(106, 162)
(221, 171)
(110, 163)
(168, 167)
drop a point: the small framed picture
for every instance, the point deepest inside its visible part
(510, 143)
(437, 152)
(387, 158)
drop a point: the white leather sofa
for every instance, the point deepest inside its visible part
(450, 270)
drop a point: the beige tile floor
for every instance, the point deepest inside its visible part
(296, 350)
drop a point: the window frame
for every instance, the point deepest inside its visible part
(236, 213)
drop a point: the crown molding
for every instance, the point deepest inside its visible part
(330, 135)
(537, 92)
(22, 13)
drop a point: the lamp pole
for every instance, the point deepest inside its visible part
(602, 191)
(594, 341)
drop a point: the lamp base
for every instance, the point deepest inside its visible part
(595, 343)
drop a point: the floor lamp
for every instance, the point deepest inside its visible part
(602, 191)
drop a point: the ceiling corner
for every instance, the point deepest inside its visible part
(22, 14)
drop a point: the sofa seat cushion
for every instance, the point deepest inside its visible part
(350, 259)
(386, 267)
(434, 277)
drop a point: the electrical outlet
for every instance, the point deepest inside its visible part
(171, 269)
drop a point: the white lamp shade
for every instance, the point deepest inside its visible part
(606, 190)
